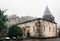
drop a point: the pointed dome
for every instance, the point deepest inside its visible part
(47, 11)
(47, 15)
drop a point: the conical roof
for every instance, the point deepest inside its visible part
(47, 15)
(47, 11)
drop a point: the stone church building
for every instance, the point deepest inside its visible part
(40, 27)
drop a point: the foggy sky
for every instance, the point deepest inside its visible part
(33, 8)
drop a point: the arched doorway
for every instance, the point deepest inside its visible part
(28, 33)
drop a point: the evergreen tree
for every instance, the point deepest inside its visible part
(3, 19)
(15, 31)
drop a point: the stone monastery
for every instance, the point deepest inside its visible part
(40, 27)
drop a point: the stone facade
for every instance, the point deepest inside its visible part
(39, 28)
(48, 29)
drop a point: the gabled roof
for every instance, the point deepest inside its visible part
(34, 20)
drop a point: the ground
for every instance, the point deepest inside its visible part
(53, 39)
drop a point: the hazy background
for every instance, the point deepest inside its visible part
(33, 8)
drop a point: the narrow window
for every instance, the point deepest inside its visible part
(44, 28)
(49, 29)
(33, 28)
(53, 29)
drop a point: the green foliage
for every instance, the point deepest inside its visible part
(15, 31)
(59, 33)
(3, 19)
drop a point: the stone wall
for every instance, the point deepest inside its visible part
(29, 26)
(48, 29)
(42, 29)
